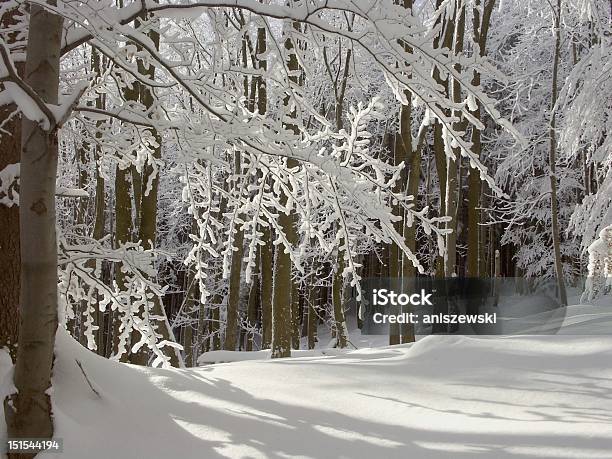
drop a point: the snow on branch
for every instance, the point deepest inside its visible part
(9, 184)
(80, 282)
(385, 32)
(599, 281)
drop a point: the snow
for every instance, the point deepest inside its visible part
(26, 104)
(71, 192)
(6, 387)
(9, 180)
(442, 397)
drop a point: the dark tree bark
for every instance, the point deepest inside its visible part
(452, 169)
(282, 288)
(267, 262)
(312, 307)
(444, 40)
(233, 300)
(123, 234)
(266, 251)
(9, 222)
(339, 82)
(480, 30)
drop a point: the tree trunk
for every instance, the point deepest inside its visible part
(266, 251)
(554, 209)
(340, 328)
(313, 299)
(267, 264)
(395, 267)
(252, 312)
(28, 412)
(146, 186)
(480, 30)
(9, 222)
(440, 160)
(444, 40)
(282, 288)
(188, 345)
(254, 304)
(99, 205)
(123, 234)
(452, 181)
(231, 326)
(409, 273)
(76, 326)
(341, 331)
(403, 152)
(215, 338)
(202, 331)
(281, 298)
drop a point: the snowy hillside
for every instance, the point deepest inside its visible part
(443, 397)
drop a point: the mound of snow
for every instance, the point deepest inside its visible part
(442, 397)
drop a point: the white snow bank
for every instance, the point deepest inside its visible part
(443, 397)
(208, 358)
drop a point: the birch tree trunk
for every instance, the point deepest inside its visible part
(28, 412)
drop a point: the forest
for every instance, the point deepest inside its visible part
(205, 185)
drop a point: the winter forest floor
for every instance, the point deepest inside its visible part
(442, 397)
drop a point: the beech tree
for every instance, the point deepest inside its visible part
(28, 412)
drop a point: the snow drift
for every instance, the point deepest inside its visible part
(442, 397)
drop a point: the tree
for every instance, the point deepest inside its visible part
(283, 291)
(480, 28)
(552, 160)
(28, 412)
(453, 157)
(10, 137)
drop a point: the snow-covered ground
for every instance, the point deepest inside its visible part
(443, 397)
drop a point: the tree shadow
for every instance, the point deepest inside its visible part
(202, 413)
